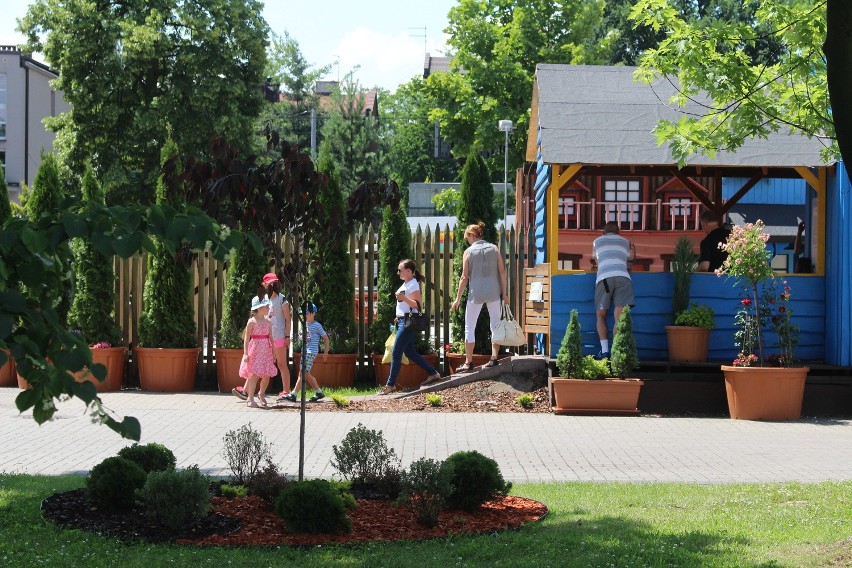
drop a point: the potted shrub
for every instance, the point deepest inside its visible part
(582, 387)
(689, 334)
(167, 353)
(244, 274)
(761, 386)
(329, 282)
(92, 310)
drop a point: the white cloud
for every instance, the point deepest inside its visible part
(385, 60)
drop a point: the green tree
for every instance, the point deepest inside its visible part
(130, 68)
(167, 319)
(475, 204)
(495, 48)
(749, 96)
(411, 135)
(329, 281)
(570, 355)
(394, 246)
(356, 146)
(44, 199)
(625, 356)
(288, 69)
(92, 311)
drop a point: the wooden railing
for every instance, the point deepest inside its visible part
(433, 251)
(631, 215)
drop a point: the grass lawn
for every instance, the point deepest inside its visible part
(589, 525)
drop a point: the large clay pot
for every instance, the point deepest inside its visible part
(765, 393)
(410, 376)
(8, 374)
(166, 370)
(687, 344)
(603, 397)
(454, 360)
(114, 359)
(228, 368)
(337, 370)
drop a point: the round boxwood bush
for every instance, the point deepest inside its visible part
(176, 499)
(475, 478)
(150, 457)
(313, 506)
(113, 483)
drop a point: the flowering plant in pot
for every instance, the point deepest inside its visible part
(764, 311)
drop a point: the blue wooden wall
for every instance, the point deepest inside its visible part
(652, 312)
(778, 191)
(838, 267)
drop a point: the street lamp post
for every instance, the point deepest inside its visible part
(505, 126)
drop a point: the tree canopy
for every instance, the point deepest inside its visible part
(134, 69)
(746, 94)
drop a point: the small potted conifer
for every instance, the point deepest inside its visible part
(689, 335)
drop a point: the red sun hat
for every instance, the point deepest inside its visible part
(269, 278)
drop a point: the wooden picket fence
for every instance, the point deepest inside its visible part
(434, 248)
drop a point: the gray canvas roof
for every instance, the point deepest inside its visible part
(599, 115)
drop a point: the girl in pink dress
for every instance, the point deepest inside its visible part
(258, 362)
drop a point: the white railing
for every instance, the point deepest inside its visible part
(632, 215)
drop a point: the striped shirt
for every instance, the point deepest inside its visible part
(611, 252)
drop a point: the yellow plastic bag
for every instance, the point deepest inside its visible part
(386, 358)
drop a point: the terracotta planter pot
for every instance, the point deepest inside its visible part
(114, 359)
(454, 360)
(166, 370)
(765, 393)
(7, 372)
(608, 396)
(228, 368)
(410, 376)
(687, 344)
(338, 370)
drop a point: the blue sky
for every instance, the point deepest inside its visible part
(384, 37)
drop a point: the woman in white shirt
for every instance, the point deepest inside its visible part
(408, 298)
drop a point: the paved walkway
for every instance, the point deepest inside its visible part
(528, 447)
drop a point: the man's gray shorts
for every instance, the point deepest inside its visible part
(620, 292)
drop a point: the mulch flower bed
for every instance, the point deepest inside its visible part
(249, 521)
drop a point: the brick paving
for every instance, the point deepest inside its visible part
(528, 447)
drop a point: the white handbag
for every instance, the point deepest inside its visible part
(507, 331)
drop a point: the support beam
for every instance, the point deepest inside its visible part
(564, 175)
(741, 192)
(700, 193)
(817, 183)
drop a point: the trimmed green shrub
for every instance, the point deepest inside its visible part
(245, 271)
(245, 449)
(624, 356)
(476, 203)
(113, 483)
(5, 205)
(268, 483)
(176, 499)
(570, 354)
(697, 315)
(683, 265)
(591, 369)
(525, 400)
(329, 280)
(313, 506)
(168, 318)
(231, 491)
(92, 311)
(150, 457)
(434, 399)
(426, 486)
(364, 458)
(394, 246)
(475, 478)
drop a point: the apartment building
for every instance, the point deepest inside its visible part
(26, 98)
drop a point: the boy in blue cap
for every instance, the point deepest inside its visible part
(310, 350)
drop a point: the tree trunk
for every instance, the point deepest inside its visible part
(838, 53)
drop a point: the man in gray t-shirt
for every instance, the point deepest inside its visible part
(613, 284)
